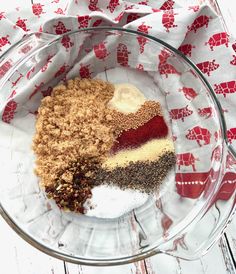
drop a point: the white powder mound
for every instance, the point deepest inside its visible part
(127, 98)
(112, 202)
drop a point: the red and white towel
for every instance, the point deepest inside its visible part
(195, 29)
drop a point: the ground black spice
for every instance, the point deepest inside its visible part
(143, 176)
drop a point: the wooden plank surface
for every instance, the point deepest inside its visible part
(230, 240)
(18, 257)
(217, 261)
(227, 9)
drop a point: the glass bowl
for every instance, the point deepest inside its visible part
(195, 201)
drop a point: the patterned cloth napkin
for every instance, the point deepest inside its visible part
(195, 29)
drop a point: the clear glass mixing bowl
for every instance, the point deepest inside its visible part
(194, 203)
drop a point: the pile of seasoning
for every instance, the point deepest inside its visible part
(73, 136)
(145, 176)
(132, 138)
(90, 133)
(142, 155)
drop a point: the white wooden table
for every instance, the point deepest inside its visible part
(18, 257)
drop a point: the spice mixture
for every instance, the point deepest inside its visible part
(90, 133)
(145, 176)
(74, 134)
(132, 138)
(147, 111)
(150, 151)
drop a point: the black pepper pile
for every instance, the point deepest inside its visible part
(143, 176)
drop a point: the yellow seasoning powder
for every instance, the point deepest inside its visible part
(150, 151)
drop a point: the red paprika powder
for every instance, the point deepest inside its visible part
(133, 138)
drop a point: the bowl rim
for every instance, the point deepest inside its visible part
(152, 250)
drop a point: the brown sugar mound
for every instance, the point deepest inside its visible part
(73, 133)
